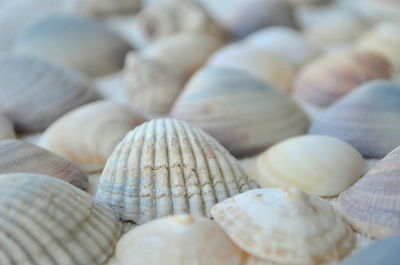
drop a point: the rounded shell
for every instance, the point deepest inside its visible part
(6, 128)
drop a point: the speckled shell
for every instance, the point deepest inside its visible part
(76, 42)
(88, 135)
(46, 221)
(265, 65)
(240, 111)
(321, 165)
(330, 77)
(33, 93)
(178, 240)
(285, 226)
(166, 167)
(106, 8)
(368, 119)
(6, 128)
(22, 157)
(372, 205)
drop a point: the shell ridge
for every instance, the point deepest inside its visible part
(125, 184)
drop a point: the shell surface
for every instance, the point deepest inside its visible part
(6, 128)
(380, 10)
(105, 8)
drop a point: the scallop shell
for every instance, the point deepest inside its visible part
(106, 8)
(285, 226)
(88, 135)
(166, 167)
(33, 93)
(76, 42)
(372, 205)
(193, 241)
(47, 221)
(330, 77)
(265, 65)
(368, 119)
(240, 111)
(6, 128)
(321, 165)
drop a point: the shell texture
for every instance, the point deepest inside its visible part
(6, 128)
(106, 8)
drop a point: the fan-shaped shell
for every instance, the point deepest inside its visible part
(106, 8)
(6, 128)
(285, 226)
(372, 205)
(368, 119)
(166, 167)
(243, 113)
(47, 221)
(88, 135)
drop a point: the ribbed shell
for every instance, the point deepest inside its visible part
(166, 167)
(6, 128)
(47, 221)
(372, 205)
(243, 113)
(368, 118)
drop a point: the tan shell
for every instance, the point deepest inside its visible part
(285, 226)
(166, 167)
(88, 135)
(6, 128)
(106, 8)
(47, 221)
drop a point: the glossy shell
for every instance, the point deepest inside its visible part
(6, 128)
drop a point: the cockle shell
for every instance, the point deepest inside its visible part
(285, 226)
(271, 68)
(321, 165)
(177, 240)
(328, 78)
(106, 8)
(243, 113)
(47, 221)
(88, 135)
(6, 128)
(166, 167)
(33, 93)
(372, 205)
(76, 42)
(368, 119)
(22, 157)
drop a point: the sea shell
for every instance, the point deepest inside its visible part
(333, 75)
(178, 240)
(243, 113)
(6, 128)
(46, 221)
(368, 119)
(151, 86)
(22, 157)
(321, 165)
(106, 8)
(33, 93)
(88, 135)
(372, 205)
(267, 66)
(285, 226)
(76, 42)
(166, 167)
(379, 10)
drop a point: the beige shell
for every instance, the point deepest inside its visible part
(177, 240)
(88, 135)
(285, 226)
(47, 221)
(243, 113)
(22, 157)
(321, 165)
(106, 8)
(6, 128)
(166, 167)
(372, 205)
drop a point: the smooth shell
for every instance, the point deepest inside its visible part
(106, 8)
(285, 226)
(166, 167)
(88, 135)
(6, 128)
(243, 113)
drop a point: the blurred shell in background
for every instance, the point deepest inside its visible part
(106, 8)
(6, 128)
(88, 135)
(380, 10)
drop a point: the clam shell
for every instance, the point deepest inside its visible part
(193, 241)
(372, 205)
(330, 77)
(240, 111)
(285, 226)
(33, 93)
(368, 119)
(166, 167)
(88, 135)
(47, 221)
(76, 42)
(106, 8)
(6, 128)
(321, 165)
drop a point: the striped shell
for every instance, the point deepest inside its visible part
(166, 167)
(6, 128)
(47, 221)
